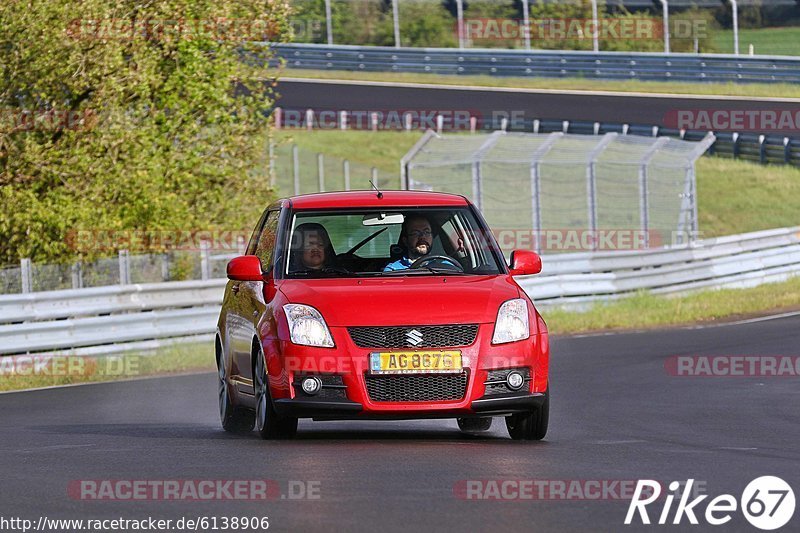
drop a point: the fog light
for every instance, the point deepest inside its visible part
(311, 386)
(514, 380)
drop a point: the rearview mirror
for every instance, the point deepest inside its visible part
(525, 263)
(382, 219)
(245, 268)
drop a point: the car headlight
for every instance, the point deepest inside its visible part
(512, 322)
(307, 327)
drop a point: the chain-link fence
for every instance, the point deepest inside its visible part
(563, 192)
(300, 171)
(125, 269)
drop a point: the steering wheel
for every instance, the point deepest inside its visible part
(424, 260)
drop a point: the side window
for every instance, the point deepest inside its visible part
(265, 249)
(251, 244)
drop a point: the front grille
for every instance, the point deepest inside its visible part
(417, 387)
(493, 389)
(414, 336)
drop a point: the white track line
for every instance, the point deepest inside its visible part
(445, 87)
(678, 328)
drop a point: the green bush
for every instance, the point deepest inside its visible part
(169, 123)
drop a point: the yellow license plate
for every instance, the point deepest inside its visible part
(415, 362)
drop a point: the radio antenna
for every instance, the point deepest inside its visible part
(380, 194)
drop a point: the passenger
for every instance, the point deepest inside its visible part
(311, 249)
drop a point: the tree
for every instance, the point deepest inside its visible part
(160, 109)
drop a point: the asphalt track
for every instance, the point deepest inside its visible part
(616, 415)
(633, 108)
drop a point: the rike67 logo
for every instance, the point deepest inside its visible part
(767, 503)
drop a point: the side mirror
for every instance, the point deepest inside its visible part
(245, 268)
(525, 263)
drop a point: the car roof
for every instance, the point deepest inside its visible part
(332, 200)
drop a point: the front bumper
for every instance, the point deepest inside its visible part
(350, 410)
(287, 363)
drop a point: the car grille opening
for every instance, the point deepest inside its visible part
(414, 336)
(496, 381)
(417, 387)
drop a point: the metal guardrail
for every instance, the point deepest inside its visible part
(544, 63)
(113, 319)
(735, 261)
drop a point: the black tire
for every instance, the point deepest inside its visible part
(234, 419)
(531, 425)
(268, 424)
(475, 424)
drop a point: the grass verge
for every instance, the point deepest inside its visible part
(766, 41)
(782, 90)
(20, 374)
(647, 311)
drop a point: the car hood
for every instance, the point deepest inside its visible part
(403, 300)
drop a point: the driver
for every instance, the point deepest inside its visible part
(416, 238)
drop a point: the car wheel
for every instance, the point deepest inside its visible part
(531, 425)
(475, 424)
(234, 419)
(268, 424)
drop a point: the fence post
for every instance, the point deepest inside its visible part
(735, 138)
(205, 263)
(309, 119)
(296, 169)
(164, 267)
(375, 176)
(26, 272)
(762, 149)
(396, 23)
(787, 150)
(241, 245)
(591, 183)
(77, 275)
(124, 268)
(346, 171)
(328, 22)
(271, 164)
(321, 172)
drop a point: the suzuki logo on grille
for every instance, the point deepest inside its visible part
(413, 337)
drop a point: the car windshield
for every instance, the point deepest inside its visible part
(395, 242)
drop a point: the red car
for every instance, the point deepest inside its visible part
(370, 305)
